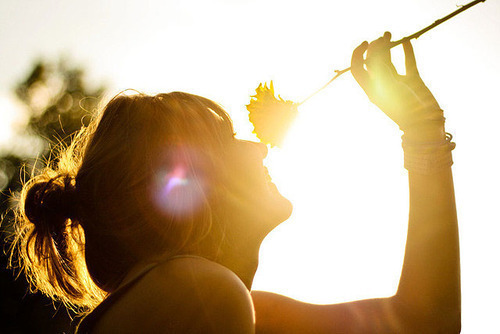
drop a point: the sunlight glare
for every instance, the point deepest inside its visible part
(325, 170)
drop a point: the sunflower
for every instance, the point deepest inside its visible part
(271, 117)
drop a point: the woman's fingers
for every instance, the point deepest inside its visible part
(357, 65)
(410, 62)
(379, 48)
(378, 57)
(412, 77)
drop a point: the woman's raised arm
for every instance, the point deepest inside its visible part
(428, 296)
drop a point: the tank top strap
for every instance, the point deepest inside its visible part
(151, 266)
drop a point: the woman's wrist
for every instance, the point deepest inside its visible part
(429, 132)
(424, 124)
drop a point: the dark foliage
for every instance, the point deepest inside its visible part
(58, 102)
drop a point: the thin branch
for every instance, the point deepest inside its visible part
(338, 73)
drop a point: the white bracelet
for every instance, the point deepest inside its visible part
(428, 158)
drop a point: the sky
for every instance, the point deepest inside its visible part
(342, 162)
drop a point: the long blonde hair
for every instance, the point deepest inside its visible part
(98, 208)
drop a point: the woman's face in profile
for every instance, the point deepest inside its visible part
(250, 185)
(245, 182)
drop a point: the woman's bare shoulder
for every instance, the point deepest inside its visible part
(185, 295)
(200, 278)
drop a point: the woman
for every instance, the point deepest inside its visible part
(152, 220)
(157, 207)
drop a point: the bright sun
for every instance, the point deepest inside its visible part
(341, 167)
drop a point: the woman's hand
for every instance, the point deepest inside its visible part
(404, 98)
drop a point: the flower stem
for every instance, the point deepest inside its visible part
(338, 73)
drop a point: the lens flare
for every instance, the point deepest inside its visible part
(177, 178)
(179, 190)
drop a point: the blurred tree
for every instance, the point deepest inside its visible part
(58, 102)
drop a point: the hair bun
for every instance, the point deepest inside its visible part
(51, 202)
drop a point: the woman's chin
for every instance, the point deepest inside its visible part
(279, 208)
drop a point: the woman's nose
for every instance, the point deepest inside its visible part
(263, 149)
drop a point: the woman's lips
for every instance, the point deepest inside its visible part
(267, 175)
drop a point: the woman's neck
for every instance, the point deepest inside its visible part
(236, 252)
(243, 262)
